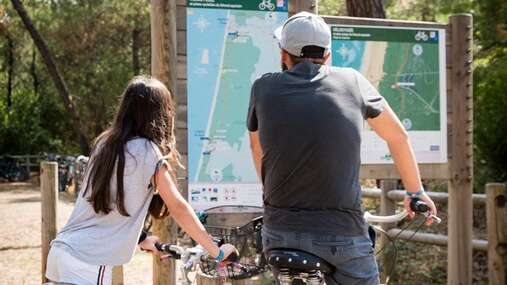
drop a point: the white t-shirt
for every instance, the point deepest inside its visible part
(111, 239)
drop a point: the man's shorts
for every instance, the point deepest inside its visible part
(64, 268)
(352, 256)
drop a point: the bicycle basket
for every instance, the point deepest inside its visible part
(236, 225)
(234, 271)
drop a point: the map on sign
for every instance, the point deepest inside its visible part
(407, 66)
(229, 45)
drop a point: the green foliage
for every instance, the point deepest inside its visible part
(332, 7)
(92, 44)
(21, 128)
(490, 101)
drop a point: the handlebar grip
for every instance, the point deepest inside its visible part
(419, 206)
(165, 247)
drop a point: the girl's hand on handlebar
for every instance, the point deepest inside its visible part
(231, 254)
(149, 244)
(426, 199)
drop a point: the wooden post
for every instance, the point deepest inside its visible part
(49, 206)
(117, 275)
(459, 254)
(163, 67)
(387, 207)
(27, 158)
(496, 213)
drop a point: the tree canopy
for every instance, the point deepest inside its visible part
(98, 45)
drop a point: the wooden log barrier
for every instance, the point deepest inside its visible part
(479, 200)
(49, 207)
(435, 239)
(460, 101)
(387, 207)
(496, 213)
(118, 275)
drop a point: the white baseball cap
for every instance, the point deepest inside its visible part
(303, 29)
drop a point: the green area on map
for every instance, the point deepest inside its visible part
(403, 64)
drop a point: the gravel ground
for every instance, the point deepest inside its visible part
(20, 238)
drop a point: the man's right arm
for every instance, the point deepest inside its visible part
(389, 128)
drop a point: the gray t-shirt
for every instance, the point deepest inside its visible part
(111, 239)
(310, 121)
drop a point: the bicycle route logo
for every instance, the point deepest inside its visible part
(267, 5)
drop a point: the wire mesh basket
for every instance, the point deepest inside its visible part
(235, 271)
(240, 226)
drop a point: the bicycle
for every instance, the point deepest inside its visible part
(11, 171)
(294, 266)
(78, 172)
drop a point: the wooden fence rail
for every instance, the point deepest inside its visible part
(494, 200)
(439, 197)
(29, 161)
(389, 197)
(435, 239)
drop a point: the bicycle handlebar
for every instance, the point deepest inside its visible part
(228, 268)
(172, 250)
(370, 218)
(178, 252)
(416, 205)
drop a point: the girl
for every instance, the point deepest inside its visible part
(135, 151)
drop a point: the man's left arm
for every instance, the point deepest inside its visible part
(252, 124)
(255, 145)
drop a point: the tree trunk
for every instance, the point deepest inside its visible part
(10, 70)
(54, 73)
(366, 8)
(33, 73)
(135, 51)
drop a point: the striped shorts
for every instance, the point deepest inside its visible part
(63, 268)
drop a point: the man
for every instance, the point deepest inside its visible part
(305, 128)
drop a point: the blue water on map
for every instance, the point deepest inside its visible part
(204, 53)
(347, 53)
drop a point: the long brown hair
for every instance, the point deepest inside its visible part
(146, 110)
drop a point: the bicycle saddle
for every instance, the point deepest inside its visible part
(298, 260)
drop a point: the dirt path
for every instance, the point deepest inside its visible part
(20, 238)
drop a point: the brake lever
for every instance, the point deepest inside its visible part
(434, 217)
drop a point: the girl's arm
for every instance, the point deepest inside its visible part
(184, 215)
